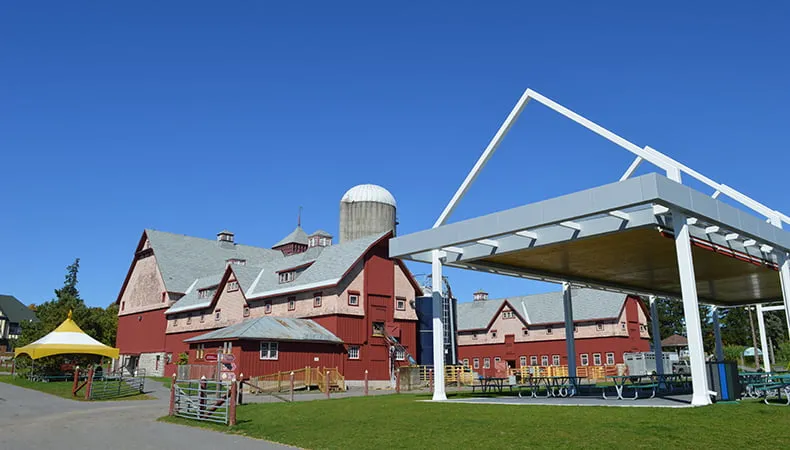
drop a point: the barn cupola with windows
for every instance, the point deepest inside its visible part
(480, 295)
(295, 242)
(225, 239)
(319, 239)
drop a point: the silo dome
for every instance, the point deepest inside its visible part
(368, 193)
(365, 210)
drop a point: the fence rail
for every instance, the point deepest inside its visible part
(306, 378)
(116, 384)
(207, 401)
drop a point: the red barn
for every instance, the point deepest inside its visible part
(530, 330)
(343, 302)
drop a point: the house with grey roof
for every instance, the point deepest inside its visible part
(13, 314)
(190, 295)
(529, 331)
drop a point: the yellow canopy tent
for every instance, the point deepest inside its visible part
(67, 338)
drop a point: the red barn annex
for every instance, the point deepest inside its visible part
(530, 330)
(304, 302)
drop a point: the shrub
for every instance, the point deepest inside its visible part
(733, 353)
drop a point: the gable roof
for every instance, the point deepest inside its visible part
(297, 236)
(14, 310)
(327, 267)
(182, 259)
(272, 328)
(675, 340)
(588, 304)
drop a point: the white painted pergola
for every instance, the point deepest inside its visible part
(744, 259)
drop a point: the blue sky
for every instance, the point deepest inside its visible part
(192, 117)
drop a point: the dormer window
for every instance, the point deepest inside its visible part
(237, 261)
(508, 315)
(233, 286)
(205, 293)
(286, 277)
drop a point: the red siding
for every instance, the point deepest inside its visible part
(291, 356)
(142, 332)
(618, 345)
(174, 343)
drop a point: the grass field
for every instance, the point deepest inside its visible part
(60, 388)
(401, 421)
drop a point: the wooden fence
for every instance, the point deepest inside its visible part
(307, 378)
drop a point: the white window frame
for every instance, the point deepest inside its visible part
(400, 304)
(353, 299)
(267, 307)
(555, 360)
(287, 277)
(353, 352)
(466, 362)
(486, 363)
(597, 359)
(525, 331)
(497, 359)
(585, 359)
(476, 363)
(608, 355)
(217, 315)
(522, 361)
(544, 360)
(400, 354)
(599, 326)
(271, 349)
(246, 311)
(317, 301)
(533, 360)
(233, 286)
(508, 315)
(200, 352)
(189, 319)
(291, 303)
(549, 330)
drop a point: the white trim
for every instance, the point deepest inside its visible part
(288, 290)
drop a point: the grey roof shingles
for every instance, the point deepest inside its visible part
(272, 328)
(588, 304)
(297, 236)
(14, 310)
(259, 277)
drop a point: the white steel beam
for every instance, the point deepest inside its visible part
(632, 168)
(749, 243)
(489, 242)
(527, 234)
(570, 338)
(481, 162)
(731, 236)
(620, 215)
(572, 225)
(766, 359)
(784, 272)
(458, 250)
(774, 308)
(688, 287)
(711, 230)
(439, 393)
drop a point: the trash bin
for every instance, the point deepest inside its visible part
(723, 379)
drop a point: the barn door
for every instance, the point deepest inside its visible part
(510, 341)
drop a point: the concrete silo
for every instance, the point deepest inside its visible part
(366, 209)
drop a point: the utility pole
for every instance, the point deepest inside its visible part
(754, 339)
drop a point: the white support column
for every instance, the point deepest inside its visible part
(688, 287)
(570, 339)
(766, 358)
(657, 350)
(438, 328)
(784, 277)
(717, 334)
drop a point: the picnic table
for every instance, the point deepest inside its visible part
(491, 383)
(556, 386)
(635, 382)
(771, 383)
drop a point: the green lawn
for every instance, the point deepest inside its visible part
(60, 388)
(400, 421)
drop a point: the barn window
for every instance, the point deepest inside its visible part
(291, 303)
(400, 354)
(233, 286)
(205, 293)
(189, 319)
(400, 303)
(522, 362)
(533, 360)
(508, 315)
(476, 363)
(466, 362)
(164, 296)
(610, 359)
(544, 360)
(353, 299)
(493, 333)
(622, 325)
(246, 311)
(555, 360)
(287, 277)
(175, 321)
(238, 262)
(202, 318)
(585, 358)
(353, 352)
(549, 330)
(497, 359)
(599, 326)
(486, 363)
(317, 301)
(269, 350)
(525, 330)
(217, 314)
(378, 328)
(200, 352)
(267, 307)
(474, 336)
(123, 306)
(597, 359)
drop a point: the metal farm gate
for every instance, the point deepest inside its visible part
(208, 401)
(116, 384)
